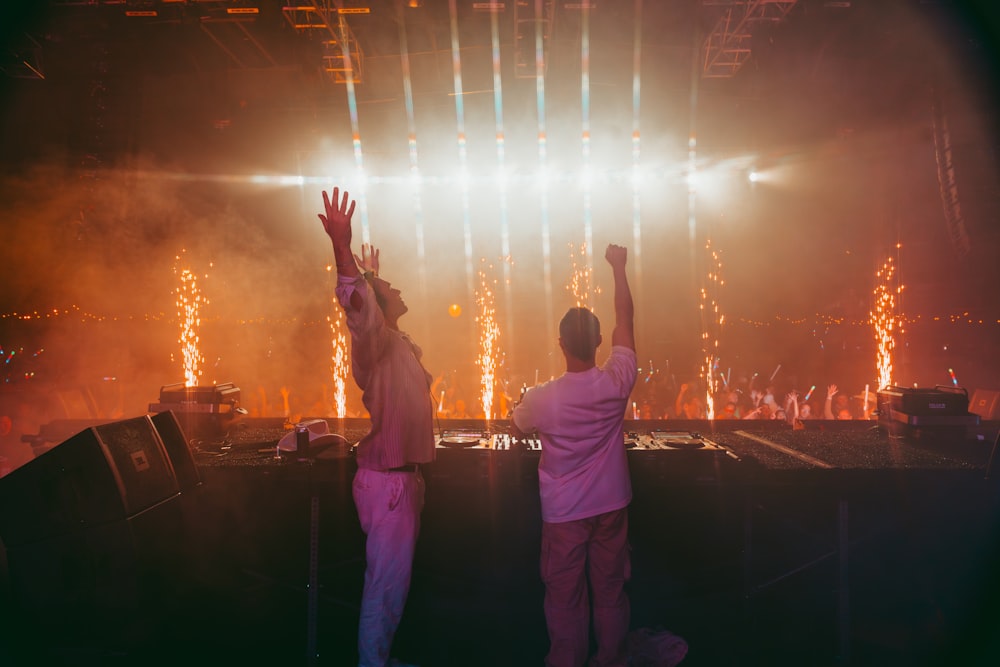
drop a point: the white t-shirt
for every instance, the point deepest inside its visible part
(579, 418)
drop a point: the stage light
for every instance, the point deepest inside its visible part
(637, 176)
(543, 176)
(361, 180)
(753, 176)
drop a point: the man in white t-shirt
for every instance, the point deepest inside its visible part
(584, 482)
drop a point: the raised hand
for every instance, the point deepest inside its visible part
(368, 260)
(616, 255)
(831, 391)
(337, 221)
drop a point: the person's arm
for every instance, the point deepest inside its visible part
(515, 430)
(624, 332)
(438, 393)
(679, 401)
(337, 223)
(357, 296)
(368, 261)
(831, 391)
(522, 414)
(792, 405)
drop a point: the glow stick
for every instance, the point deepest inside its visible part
(635, 413)
(536, 376)
(441, 402)
(954, 380)
(775, 372)
(865, 408)
(809, 393)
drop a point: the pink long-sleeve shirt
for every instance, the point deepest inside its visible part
(394, 384)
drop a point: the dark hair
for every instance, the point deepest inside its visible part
(580, 331)
(379, 298)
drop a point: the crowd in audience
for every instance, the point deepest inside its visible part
(659, 399)
(745, 400)
(655, 398)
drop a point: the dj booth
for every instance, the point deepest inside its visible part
(753, 540)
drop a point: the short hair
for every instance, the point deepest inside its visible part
(379, 298)
(580, 331)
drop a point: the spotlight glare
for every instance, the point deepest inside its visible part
(753, 176)
(543, 176)
(361, 180)
(637, 176)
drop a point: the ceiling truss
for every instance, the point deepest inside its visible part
(729, 45)
(341, 54)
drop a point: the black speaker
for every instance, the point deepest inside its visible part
(97, 531)
(172, 435)
(102, 474)
(985, 403)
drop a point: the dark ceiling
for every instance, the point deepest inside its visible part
(848, 53)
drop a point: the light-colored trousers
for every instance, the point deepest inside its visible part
(389, 506)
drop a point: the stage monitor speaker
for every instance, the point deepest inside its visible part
(178, 449)
(105, 473)
(100, 532)
(985, 403)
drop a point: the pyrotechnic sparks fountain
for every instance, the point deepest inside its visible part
(581, 281)
(489, 342)
(711, 322)
(189, 302)
(884, 319)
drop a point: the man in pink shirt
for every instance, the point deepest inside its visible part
(388, 488)
(584, 482)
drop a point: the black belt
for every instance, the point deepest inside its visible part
(409, 467)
